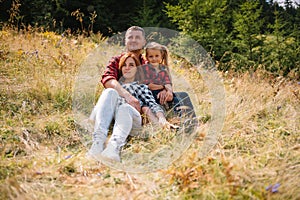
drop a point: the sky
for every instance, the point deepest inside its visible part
(282, 1)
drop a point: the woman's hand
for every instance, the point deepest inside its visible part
(131, 100)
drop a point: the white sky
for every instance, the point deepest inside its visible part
(282, 1)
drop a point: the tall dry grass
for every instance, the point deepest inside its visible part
(42, 156)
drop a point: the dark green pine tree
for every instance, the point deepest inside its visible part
(247, 25)
(206, 21)
(146, 15)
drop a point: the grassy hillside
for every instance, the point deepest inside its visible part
(42, 156)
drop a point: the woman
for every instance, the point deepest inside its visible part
(127, 119)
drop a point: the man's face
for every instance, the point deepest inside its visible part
(134, 40)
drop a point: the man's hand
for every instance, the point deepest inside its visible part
(169, 95)
(164, 96)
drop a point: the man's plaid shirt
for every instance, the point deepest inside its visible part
(143, 94)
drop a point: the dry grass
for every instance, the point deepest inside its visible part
(42, 156)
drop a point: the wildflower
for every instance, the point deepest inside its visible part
(68, 156)
(273, 188)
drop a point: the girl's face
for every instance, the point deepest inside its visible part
(129, 69)
(154, 56)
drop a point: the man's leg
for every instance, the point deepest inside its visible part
(187, 112)
(102, 114)
(186, 104)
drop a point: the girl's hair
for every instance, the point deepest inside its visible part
(163, 49)
(139, 75)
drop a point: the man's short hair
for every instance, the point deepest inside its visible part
(136, 28)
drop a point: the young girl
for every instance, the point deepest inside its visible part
(157, 75)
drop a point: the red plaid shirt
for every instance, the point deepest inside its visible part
(112, 69)
(160, 78)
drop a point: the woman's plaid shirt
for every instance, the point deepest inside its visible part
(143, 94)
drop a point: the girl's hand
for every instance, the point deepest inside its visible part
(162, 122)
(165, 124)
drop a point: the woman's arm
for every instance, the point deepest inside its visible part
(131, 100)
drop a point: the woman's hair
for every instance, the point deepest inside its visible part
(139, 74)
(163, 49)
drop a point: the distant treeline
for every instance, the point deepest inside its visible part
(239, 35)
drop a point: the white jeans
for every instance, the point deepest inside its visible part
(127, 119)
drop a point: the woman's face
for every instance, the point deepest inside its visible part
(129, 69)
(154, 56)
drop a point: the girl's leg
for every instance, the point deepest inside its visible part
(149, 116)
(102, 114)
(126, 118)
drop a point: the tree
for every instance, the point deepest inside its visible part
(204, 21)
(281, 52)
(247, 25)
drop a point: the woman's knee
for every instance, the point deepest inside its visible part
(108, 95)
(126, 108)
(110, 92)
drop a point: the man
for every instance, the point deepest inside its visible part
(134, 42)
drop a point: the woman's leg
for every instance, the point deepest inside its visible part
(126, 118)
(102, 114)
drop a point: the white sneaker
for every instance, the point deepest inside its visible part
(95, 150)
(112, 152)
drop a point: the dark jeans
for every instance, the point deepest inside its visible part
(181, 103)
